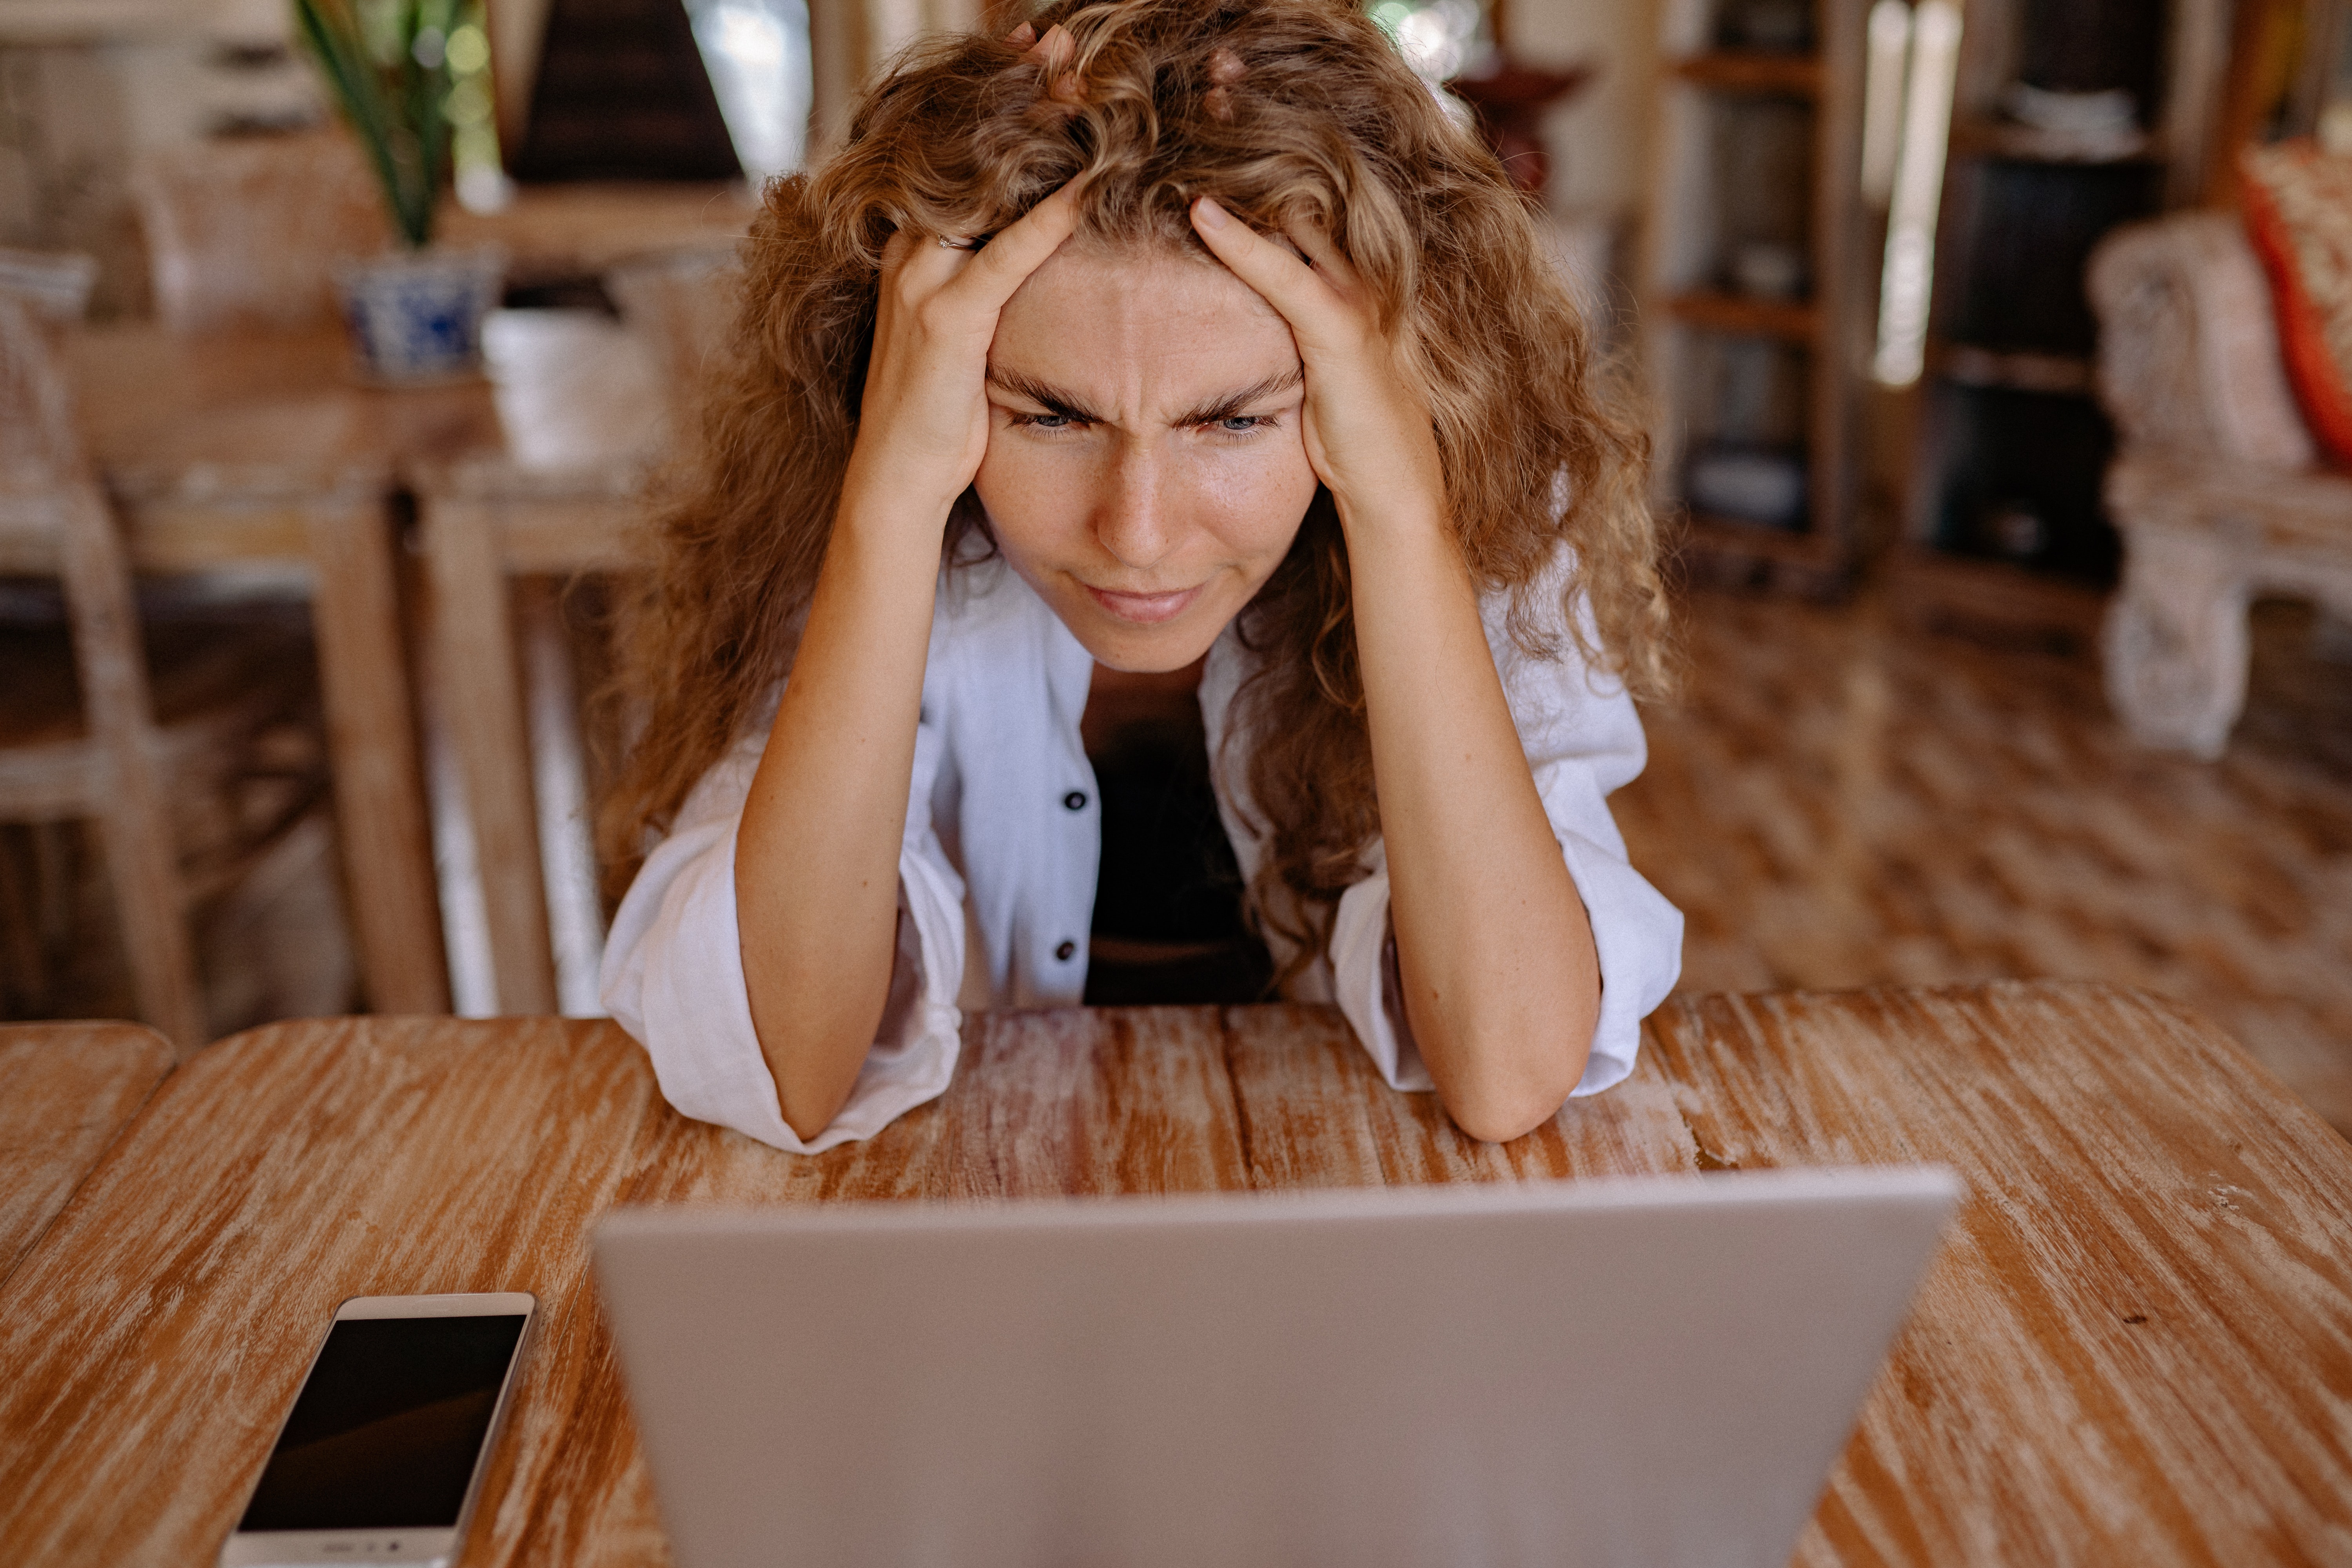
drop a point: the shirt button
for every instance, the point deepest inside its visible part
(1076, 800)
(1066, 951)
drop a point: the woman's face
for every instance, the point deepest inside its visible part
(1145, 473)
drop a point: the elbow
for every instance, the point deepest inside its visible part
(814, 1049)
(805, 1123)
(1510, 1091)
(813, 1077)
(1500, 1117)
(1496, 1107)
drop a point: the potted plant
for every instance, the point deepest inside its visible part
(415, 315)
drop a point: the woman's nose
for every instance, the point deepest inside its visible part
(1133, 523)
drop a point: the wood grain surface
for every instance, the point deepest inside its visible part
(66, 1091)
(2137, 1346)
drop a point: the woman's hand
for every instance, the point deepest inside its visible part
(1501, 979)
(923, 427)
(1366, 424)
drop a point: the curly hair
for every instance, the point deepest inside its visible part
(1285, 112)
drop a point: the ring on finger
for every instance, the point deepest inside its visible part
(949, 242)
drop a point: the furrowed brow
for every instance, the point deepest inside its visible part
(1053, 399)
(1233, 404)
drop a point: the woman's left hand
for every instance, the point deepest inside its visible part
(1365, 423)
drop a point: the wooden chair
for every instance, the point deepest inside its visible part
(590, 410)
(246, 232)
(90, 734)
(504, 534)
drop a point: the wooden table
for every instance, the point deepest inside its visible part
(573, 232)
(2135, 1346)
(254, 451)
(66, 1089)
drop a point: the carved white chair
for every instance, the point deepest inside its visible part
(2217, 485)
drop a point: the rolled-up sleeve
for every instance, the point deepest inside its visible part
(1582, 739)
(673, 973)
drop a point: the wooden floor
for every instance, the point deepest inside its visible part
(1838, 802)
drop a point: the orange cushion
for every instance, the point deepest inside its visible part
(2298, 203)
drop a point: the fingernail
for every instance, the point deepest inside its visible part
(1209, 215)
(1022, 36)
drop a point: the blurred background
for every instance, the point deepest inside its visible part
(1992, 351)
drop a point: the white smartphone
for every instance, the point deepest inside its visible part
(383, 1453)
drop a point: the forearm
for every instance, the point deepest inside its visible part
(816, 857)
(1502, 984)
(1501, 979)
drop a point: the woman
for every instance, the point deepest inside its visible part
(1162, 335)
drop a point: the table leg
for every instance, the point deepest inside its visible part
(481, 694)
(371, 740)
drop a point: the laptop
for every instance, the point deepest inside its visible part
(1657, 1370)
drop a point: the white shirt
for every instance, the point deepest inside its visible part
(1004, 826)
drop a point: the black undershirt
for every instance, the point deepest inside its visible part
(1168, 925)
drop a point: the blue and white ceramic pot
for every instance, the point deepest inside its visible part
(416, 316)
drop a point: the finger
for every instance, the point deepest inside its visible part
(1055, 49)
(919, 259)
(1326, 258)
(1286, 282)
(1022, 37)
(1020, 248)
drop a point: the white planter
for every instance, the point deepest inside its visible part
(416, 316)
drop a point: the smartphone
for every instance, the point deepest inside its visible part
(383, 1453)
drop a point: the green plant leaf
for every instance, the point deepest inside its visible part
(394, 103)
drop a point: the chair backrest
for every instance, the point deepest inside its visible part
(2189, 349)
(247, 231)
(57, 283)
(52, 508)
(39, 448)
(682, 305)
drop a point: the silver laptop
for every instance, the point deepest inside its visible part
(1652, 1372)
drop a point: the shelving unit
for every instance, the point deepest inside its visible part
(1754, 285)
(2004, 527)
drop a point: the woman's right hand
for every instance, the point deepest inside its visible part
(923, 427)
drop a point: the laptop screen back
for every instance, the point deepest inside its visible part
(1657, 1370)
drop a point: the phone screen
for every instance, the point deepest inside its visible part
(385, 1431)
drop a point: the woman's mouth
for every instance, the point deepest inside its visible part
(1144, 609)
